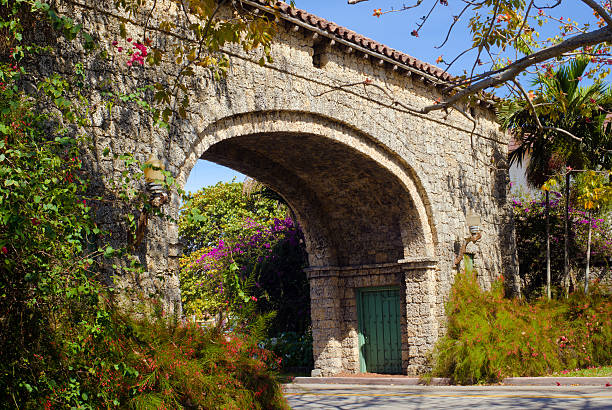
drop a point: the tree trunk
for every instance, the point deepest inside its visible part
(588, 258)
(548, 244)
(566, 248)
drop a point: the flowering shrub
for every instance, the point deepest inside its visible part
(530, 225)
(64, 342)
(151, 364)
(261, 266)
(219, 212)
(490, 337)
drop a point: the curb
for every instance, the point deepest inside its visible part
(439, 381)
(558, 381)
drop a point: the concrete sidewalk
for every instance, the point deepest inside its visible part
(415, 381)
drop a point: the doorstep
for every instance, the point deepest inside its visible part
(372, 381)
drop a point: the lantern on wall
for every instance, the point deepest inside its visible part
(473, 222)
(154, 176)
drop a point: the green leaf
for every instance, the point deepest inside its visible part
(109, 251)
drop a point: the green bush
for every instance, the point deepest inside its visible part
(294, 349)
(490, 337)
(530, 225)
(63, 341)
(256, 257)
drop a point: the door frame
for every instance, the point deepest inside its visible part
(360, 319)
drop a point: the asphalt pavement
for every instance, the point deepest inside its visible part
(345, 396)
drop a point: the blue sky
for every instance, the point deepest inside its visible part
(393, 30)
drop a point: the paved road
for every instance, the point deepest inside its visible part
(447, 397)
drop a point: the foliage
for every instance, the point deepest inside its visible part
(46, 275)
(509, 38)
(594, 191)
(561, 106)
(530, 228)
(490, 337)
(262, 263)
(295, 349)
(218, 213)
(193, 41)
(281, 285)
(591, 371)
(64, 342)
(184, 366)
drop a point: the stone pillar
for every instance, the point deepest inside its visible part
(326, 321)
(421, 323)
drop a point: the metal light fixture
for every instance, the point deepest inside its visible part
(154, 175)
(473, 221)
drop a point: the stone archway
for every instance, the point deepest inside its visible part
(364, 215)
(258, 128)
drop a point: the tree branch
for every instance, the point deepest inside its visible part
(528, 100)
(600, 10)
(562, 131)
(511, 71)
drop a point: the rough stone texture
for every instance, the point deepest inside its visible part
(381, 193)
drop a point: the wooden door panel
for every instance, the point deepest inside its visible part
(379, 330)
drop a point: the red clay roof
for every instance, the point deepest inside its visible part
(358, 39)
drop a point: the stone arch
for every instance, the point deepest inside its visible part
(239, 142)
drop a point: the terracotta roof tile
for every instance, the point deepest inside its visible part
(357, 39)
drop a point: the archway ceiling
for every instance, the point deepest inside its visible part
(340, 193)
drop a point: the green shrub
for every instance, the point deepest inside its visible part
(530, 225)
(64, 344)
(293, 348)
(183, 366)
(490, 337)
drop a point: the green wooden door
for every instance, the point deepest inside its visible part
(379, 330)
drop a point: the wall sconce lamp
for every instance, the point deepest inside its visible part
(473, 222)
(154, 177)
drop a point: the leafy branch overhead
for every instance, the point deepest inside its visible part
(506, 41)
(194, 38)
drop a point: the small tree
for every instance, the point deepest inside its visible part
(594, 193)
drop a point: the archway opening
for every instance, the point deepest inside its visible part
(229, 219)
(365, 220)
(351, 209)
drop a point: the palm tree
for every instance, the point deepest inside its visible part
(571, 127)
(565, 125)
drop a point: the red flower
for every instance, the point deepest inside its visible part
(414, 33)
(4, 250)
